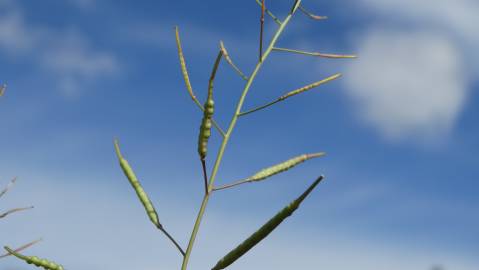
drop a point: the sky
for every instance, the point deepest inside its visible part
(399, 129)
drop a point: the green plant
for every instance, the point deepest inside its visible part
(14, 210)
(205, 130)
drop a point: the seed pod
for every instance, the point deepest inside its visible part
(209, 107)
(46, 264)
(184, 70)
(140, 192)
(11, 211)
(284, 166)
(265, 230)
(311, 15)
(308, 87)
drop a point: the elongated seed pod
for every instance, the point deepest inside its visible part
(184, 70)
(140, 192)
(265, 230)
(206, 122)
(281, 167)
(311, 15)
(44, 263)
(11, 211)
(309, 87)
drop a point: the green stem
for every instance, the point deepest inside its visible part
(227, 136)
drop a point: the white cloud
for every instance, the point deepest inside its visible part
(68, 56)
(413, 76)
(408, 83)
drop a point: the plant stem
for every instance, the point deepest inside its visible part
(226, 138)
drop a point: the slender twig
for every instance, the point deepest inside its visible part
(318, 54)
(293, 93)
(2, 89)
(15, 210)
(161, 228)
(311, 15)
(228, 59)
(205, 175)
(275, 19)
(21, 248)
(8, 187)
(186, 78)
(231, 127)
(261, 32)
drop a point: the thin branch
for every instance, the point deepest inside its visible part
(21, 248)
(228, 59)
(261, 32)
(186, 78)
(2, 89)
(205, 175)
(161, 228)
(293, 93)
(14, 210)
(275, 19)
(8, 187)
(311, 15)
(318, 54)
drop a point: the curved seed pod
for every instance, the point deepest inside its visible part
(184, 70)
(46, 264)
(205, 128)
(265, 230)
(284, 166)
(140, 192)
(311, 15)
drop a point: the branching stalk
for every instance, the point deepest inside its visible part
(226, 138)
(275, 19)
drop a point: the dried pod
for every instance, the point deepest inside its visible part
(140, 192)
(265, 230)
(209, 108)
(46, 264)
(281, 167)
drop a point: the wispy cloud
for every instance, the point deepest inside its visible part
(67, 55)
(412, 80)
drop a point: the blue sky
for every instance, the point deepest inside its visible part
(399, 128)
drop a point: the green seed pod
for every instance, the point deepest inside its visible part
(43, 263)
(265, 230)
(309, 87)
(284, 166)
(184, 70)
(209, 108)
(140, 192)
